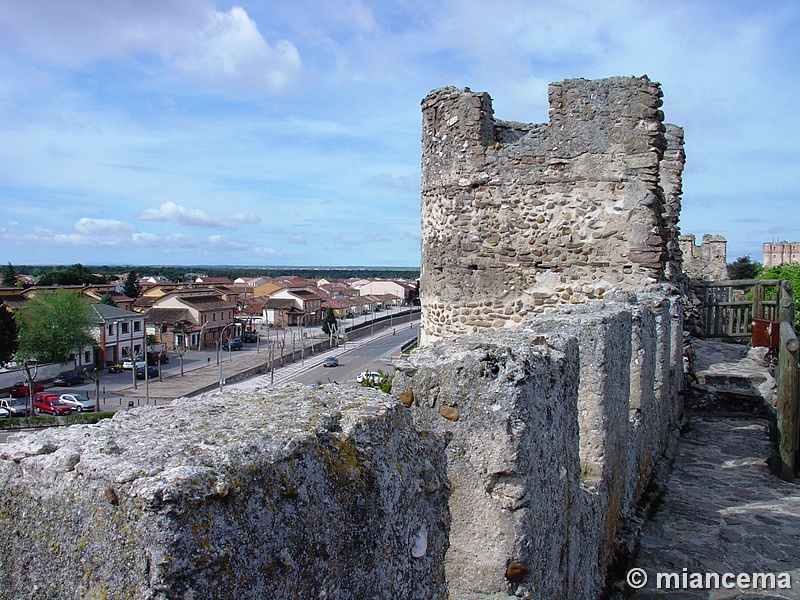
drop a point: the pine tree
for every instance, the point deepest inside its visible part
(9, 275)
(131, 286)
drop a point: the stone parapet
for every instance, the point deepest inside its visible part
(555, 428)
(280, 493)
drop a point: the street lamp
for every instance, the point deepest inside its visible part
(221, 336)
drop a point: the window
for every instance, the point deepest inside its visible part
(214, 317)
(137, 325)
(124, 327)
(111, 329)
(87, 357)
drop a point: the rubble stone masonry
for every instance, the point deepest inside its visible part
(520, 216)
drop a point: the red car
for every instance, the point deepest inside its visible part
(20, 389)
(46, 402)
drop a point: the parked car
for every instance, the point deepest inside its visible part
(152, 372)
(79, 402)
(154, 358)
(371, 376)
(4, 414)
(68, 378)
(16, 407)
(128, 364)
(20, 389)
(331, 361)
(233, 344)
(47, 402)
(250, 337)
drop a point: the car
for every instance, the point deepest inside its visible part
(331, 361)
(128, 364)
(250, 337)
(233, 344)
(370, 376)
(47, 402)
(152, 372)
(68, 378)
(79, 402)
(16, 407)
(154, 358)
(20, 389)
(4, 414)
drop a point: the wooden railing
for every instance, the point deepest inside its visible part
(728, 309)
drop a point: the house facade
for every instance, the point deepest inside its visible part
(119, 334)
(207, 315)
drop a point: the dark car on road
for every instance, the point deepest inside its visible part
(153, 358)
(233, 344)
(68, 378)
(250, 337)
(331, 361)
(152, 372)
(20, 389)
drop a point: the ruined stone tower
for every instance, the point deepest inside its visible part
(520, 216)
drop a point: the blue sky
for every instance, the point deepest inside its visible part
(287, 132)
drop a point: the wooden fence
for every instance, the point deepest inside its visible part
(728, 309)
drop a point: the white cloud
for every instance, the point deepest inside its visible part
(169, 212)
(231, 50)
(224, 48)
(101, 227)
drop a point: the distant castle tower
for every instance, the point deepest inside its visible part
(778, 253)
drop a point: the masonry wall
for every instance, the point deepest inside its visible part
(286, 493)
(520, 216)
(555, 429)
(706, 262)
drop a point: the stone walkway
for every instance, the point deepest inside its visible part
(724, 512)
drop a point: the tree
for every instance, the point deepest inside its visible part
(53, 326)
(9, 333)
(744, 268)
(792, 273)
(131, 286)
(9, 275)
(107, 299)
(329, 322)
(75, 274)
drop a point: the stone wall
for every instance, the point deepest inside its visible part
(706, 262)
(286, 493)
(555, 430)
(519, 216)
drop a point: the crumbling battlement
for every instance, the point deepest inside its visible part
(706, 262)
(556, 428)
(519, 216)
(286, 493)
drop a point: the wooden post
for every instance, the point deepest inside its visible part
(758, 301)
(786, 409)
